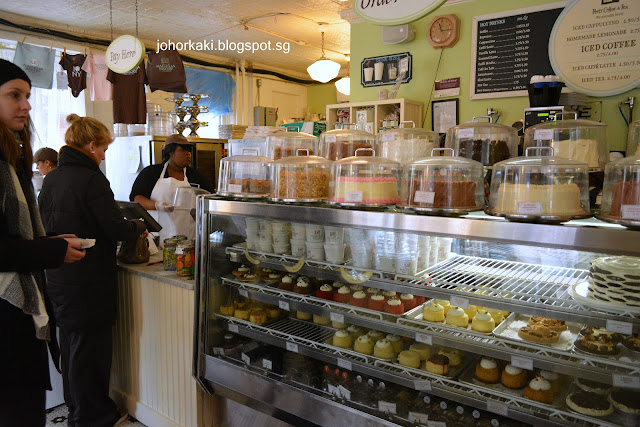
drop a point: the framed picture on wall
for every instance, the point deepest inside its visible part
(444, 114)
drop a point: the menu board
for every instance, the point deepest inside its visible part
(595, 46)
(509, 48)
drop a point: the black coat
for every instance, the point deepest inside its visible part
(76, 198)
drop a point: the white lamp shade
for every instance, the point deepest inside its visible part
(323, 70)
(344, 85)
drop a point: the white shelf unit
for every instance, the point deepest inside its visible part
(409, 111)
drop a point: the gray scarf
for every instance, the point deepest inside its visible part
(20, 213)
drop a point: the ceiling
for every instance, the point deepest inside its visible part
(293, 21)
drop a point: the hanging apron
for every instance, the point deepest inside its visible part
(179, 221)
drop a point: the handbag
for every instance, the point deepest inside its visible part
(135, 251)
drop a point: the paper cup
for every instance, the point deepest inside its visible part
(368, 74)
(252, 245)
(298, 248)
(406, 265)
(334, 253)
(266, 247)
(314, 233)
(386, 263)
(281, 238)
(252, 224)
(315, 251)
(334, 235)
(265, 225)
(282, 249)
(280, 227)
(266, 238)
(298, 231)
(379, 68)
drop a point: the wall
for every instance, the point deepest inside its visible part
(456, 62)
(319, 96)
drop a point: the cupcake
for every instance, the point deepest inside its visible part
(324, 321)
(302, 287)
(342, 339)
(376, 302)
(359, 299)
(325, 292)
(242, 270)
(445, 304)
(389, 294)
(483, 322)
(409, 358)
(265, 272)
(355, 331)
(554, 379)
(343, 295)
(455, 356)
(301, 315)
(539, 390)
(338, 325)
(272, 278)
(433, 312)
(286, 284)
(396, 342)
(241, 313)
(513, 377)
(438, 364)
(383, 349)
(408, 301)
(249, 277)
(487, 370)
(375, 335)
(356, 288)
(471, 310)
(273, 312)
(457, 317)
(394, 306)
(258, 315)
(424, 350)
(363, 344)
(498, 315)
(227, 309)
(372, 291)
(419, 300)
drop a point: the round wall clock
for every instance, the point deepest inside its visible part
(444, 31)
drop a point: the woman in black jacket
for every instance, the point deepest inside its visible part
(76, 198)
(25, 325)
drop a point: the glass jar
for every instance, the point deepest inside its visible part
(407, 144)
(621, 193)
(633, 140)
(583, 141)
(301, 179)
(245, 177)
(285, 144)
(186, 258)
(540, 189)
(443, 185)
(341, 143)
(169, 253)
(487, 143)
(365, 181)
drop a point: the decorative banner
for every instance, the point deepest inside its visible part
(386, 70)
(124, 54)
(394, 12)
(595, 46)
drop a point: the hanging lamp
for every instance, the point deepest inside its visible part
(344, 84)
(323, 69)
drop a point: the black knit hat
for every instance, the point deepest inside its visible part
(10, 71)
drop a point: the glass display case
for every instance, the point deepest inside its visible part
(487, 143)
(513, 335)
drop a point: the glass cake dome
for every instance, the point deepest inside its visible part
(633, 140)
(365, 180)
(621, 192)
(245, 176)
(443, 185)
(584, 141)
(301, 179)
(341, 143)
(407, 143)
(487, 143)
(285, 144)
(540, 188)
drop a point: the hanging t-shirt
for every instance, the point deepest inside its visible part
(129, 101)
(101, 88)
(37, 62)
(165, 71)
(77, 77)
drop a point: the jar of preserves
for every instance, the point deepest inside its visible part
(169, 253)
(186, 258)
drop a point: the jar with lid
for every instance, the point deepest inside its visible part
(621, 192)
(487, 143)
(246, 176)
(169, 253)
(301, 179)
(186, 258)
(633, 140)
(443, 185)
(406, 144)
(540, 188)
(341, 143)
(365, 181)
(285, 144)
(584, 141)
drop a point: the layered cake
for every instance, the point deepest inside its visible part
(340, 150)
(250, 186)
(615, 279)
(546, 200)
(485, 151)
(301, 184)
(580, 150)
(624, 193)
(446, 194)
(379, 190)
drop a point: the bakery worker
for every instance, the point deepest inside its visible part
(155, 187)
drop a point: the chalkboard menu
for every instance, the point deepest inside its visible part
(509, 48)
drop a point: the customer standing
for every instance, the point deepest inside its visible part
(46, 160)
(24, 253)
(76, 198)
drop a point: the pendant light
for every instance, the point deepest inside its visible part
(344, 84)
(323, 69)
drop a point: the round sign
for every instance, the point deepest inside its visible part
(124, 54)
(595, 46)
(394, 12)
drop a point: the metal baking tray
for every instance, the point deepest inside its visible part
(512, 324)
(414, 318)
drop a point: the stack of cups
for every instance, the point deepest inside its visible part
(253, 234)
(359, 247)
(385, 256)
(444, 248)
(315, 242)
(433, 253)
(424, 248)
(298, 240)
(266, 240)
(406, 253)
(334, 244)
(281, 236)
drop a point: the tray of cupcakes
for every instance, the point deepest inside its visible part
(619, 406)
(539, 331)
(600, 342)
(249, 310)
(499, 376)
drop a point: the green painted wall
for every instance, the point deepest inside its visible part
(319, 96)
(366, 41)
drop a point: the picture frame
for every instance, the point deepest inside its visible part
(444, 114)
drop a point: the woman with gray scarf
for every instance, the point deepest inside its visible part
(25, 325)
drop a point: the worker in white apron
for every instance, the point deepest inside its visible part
(173, 221)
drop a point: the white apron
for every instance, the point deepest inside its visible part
(179, 221)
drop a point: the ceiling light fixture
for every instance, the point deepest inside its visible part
(323, 69)
(344, 84)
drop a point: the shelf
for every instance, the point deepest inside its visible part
(308, 339)
(580, 365)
